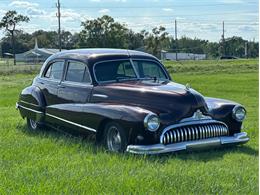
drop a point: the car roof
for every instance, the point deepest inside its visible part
(86, 54)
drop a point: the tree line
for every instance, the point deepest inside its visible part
(105, 32)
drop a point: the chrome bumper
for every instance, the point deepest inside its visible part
(237, 138)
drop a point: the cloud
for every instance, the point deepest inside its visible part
(32, 11)
(167, 9)
(23, 4)
(103, 11)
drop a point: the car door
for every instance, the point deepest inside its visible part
(50, 80)
(76, 87)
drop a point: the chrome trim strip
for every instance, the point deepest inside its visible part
(36, 111)
(72, 123)
(29, 103)
(100, 95)
(238, 138)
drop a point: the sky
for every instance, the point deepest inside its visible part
(195, 18)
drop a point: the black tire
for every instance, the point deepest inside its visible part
(114, 138)
(33, 125)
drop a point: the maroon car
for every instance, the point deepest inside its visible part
(128, 99)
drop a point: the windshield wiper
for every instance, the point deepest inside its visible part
(124, 78)
(150, 78)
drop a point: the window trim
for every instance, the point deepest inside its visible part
(161, 66)
(115, 60)
(74, 82)
(132, 63)
(48, 66)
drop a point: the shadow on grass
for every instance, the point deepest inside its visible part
(87, 142)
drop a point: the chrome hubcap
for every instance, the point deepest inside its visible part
(33, 124)
(113, 139)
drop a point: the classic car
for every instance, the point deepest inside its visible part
(128, 100)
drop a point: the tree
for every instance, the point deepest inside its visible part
(103, 32)
(9, 22)
(157, 40)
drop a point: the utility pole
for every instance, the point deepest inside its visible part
(176, 41)
(246, 49)
(59, 31)
(223, 39)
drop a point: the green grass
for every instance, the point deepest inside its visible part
(53, 163)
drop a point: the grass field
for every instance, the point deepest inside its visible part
(53, 163)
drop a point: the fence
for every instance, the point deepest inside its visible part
(7, 67)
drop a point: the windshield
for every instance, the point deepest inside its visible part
(114, 71)
(120, 70)
(149, 69)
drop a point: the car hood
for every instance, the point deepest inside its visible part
(170, 100)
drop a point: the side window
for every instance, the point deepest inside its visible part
(125, 69)
(55, 71)
(77, 72)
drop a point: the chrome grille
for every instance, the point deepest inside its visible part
(192, 132)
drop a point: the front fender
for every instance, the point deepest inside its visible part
(221, 110)
(95, 116)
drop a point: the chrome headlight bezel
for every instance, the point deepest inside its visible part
(239, 110)
(152, 122)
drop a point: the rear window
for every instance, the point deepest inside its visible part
(114, 70)
(55, 70)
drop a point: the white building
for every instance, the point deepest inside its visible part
(35, 55)
(182, 56)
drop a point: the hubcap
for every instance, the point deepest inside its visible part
(113, 139)
(33, 124)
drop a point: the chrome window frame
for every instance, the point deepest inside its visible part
(115, 60)
(166, 74)
(82, 84)
(42, 76)
(132, 63)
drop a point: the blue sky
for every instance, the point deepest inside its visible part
(197, 18)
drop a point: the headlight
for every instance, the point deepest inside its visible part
(151, 122)
(239, 113)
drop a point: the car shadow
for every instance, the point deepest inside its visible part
(88, 140)
(204, 155)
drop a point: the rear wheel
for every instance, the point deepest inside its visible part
(32, 124)
(115, 138)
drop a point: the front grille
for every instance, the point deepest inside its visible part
(194, 132)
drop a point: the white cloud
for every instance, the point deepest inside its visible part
(167, 9)
(32, 11)
(23, 4)
(103, 11)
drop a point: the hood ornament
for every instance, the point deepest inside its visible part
(188, 87)
(197, 115)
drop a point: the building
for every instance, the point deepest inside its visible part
(182, 56)
(35, 55)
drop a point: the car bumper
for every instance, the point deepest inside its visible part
(238, 138)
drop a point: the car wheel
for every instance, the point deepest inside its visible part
(115, 138)
(32, 124)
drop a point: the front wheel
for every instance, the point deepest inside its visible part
(115, 138)
(32, 124)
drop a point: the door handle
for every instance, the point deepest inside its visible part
(61, 86)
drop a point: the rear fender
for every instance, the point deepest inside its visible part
(32, 104)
